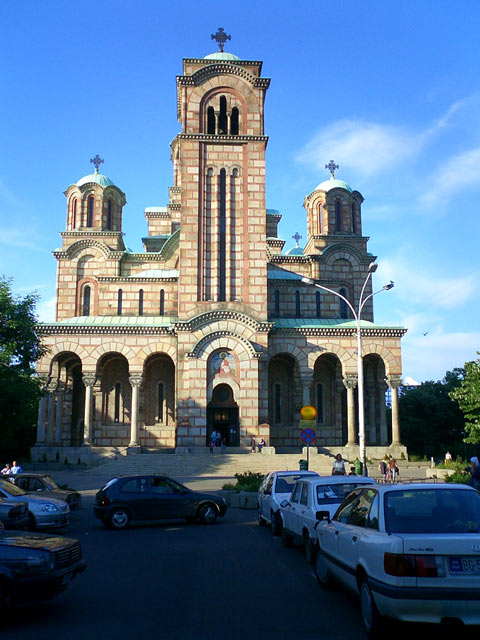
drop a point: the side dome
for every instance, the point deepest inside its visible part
(96, 177)
(333, 183)
(296, 251)
(221, 55)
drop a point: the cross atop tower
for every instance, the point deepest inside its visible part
(331, 166)
(221, 37)
(97, 161)
(297, 237)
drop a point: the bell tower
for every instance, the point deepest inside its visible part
(219, 166)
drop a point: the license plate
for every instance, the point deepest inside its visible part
(465, 566)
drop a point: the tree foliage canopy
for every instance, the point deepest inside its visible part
(467, 395)
(431, 423)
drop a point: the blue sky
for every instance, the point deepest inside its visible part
(390, 90)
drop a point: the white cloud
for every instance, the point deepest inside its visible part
(46, 310)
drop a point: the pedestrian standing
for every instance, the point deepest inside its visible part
(16, 468)
(253, 445)
(392, 468)
(338, 468)
(6, 471)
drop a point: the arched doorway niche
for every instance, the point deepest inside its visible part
(328, 396)
(65, 410)
(116, 394)
(374, 373)
(157, 396)
(284, 399)
(222, 416)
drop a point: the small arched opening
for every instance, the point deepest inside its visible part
(222, 417)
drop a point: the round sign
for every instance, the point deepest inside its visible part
(308, 412)
(308, 436)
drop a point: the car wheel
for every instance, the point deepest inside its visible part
(261, 521)
(287, 539)
(372, 620)
(324, 576)
(207, 513)
(275, 523)
(308, 548)
(119, 519)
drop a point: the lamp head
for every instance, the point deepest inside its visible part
(306, 280)
(372, 267)
(389, 286)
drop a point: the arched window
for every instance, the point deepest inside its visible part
(277, 391)
(119, 302)
(161, 402)
(297, 304)
(222, 237)
(318, 304)
(162, 302)
(210, 120)
(353, 219)
(343, 304)
(222, 117)
(338, 216)
(140, 302)
(234, 122)
(109, 214)
(320, 218)
(319, 402)
(91, 204)
(277, 303)
(86, 301)
(117, 390)
(74, 214)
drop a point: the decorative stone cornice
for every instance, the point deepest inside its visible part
(157, 214)
(220, 138)
(275, 242)
(280, 258)
(175, 206)
(152, 256)
(55, 329)
(135, 279)
(175, 189)
(380, 332)
(76, 234)
(218, 315)
(67, 254)
(204, 340)
(222, 68)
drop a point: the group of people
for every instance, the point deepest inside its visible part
(388, 468)
(338, 468)
(254, 446)
(11, 470)
(216, 440)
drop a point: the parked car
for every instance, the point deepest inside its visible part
(309, 495)
(412, 552)
(44, 483)
(151, 497)
(43, 512)
(14, 515)
(275, 488)
(36, 566)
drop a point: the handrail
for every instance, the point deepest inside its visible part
(113, 455)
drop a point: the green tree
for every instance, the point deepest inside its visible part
(20, 348)
(467, 395)
(431, 423)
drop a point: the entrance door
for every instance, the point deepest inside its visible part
(222, 416)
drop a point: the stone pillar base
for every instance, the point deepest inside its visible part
(268, 451)
(134, 449)
(313, 451)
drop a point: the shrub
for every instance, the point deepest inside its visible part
(460, 476)
(57, 457)
(248, 481)
(66, 462)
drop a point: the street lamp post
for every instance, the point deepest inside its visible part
(372, 267)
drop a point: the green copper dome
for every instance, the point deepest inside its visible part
(96, 177)
(296, 251)
(333, 183)
(221, 55)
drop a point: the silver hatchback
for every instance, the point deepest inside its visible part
(43, 512)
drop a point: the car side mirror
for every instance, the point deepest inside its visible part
(322, 515)
(284, 503)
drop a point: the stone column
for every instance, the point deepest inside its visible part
(383, 415)
(88, 381)
(42, 406)
(372, 415)
(394, 382)
(135, 381)
(50, 417)
(350, 382)
(59, 416)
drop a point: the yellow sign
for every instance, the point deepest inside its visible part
(308, 412)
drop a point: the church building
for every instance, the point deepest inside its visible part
(213, 326)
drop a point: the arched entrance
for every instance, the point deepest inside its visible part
(222, 416)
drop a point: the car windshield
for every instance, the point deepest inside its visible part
(333, 493)
(50, 482)
(11, 489)
(109, 483)
(432, 511)
(285, 484)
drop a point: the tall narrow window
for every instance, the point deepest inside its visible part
(86, 301)
(74, 214)
(277, 303)
(319, 399)
(277, 390)
(222, 117)
(222, 219)
(161, 401)
(338, 216)
(162, 302)
(353, 219)
(119, 302)
(210, 120)
(318, 304)
(116, 416)
(343, 304)
(320, 218)
(233, 239)
(140, 302)
(91, 203)
(206, 293)
(297, 303)
(234, 122)
(109, 214)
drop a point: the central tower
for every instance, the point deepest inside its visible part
(219, 175)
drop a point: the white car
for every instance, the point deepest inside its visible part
(275, 488)
(43, 512)
(411, 551)
(310, 495)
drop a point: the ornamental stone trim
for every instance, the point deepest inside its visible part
(394, 381)
(51, 330)
(224, 139)
(215, 316)
(151, 256)
(135, 279)
(217, 69)
(86, 244)
(89, 379)
(290, 259)
(324, 331)
(157, 214)
(135, 380)
(273, 242)
(74, 234)
(176, 206)
(350, 381)
(209, 337)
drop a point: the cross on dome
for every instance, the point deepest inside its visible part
(221, 37)
(97, 161)
(331, 166)
(297, 237)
